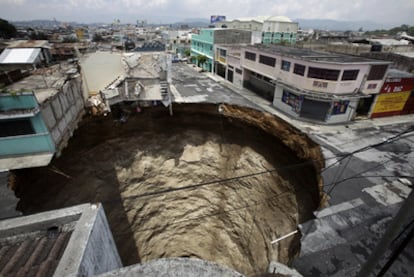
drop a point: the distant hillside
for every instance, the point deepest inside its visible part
(336, 25)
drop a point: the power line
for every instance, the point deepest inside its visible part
(362, 149)
(263, 202)
(219, 181)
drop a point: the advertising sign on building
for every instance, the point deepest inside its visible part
(391, 102)
(217, 18)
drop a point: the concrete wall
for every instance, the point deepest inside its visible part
(63, 112)
(183, 267)
(91, 249)
(232, 36)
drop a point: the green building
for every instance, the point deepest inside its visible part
(203, 43)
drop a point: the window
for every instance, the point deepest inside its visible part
(285, 65)
(18, 127)
(238, 71)
(323, 74)
(372, 86)
(350, 75)
(267, 60)
(377, 72)
(250, 56)
(223, 52)
(299, 69)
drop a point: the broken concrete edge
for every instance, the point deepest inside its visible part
(183, 267)
(276, 267)
(91, 249)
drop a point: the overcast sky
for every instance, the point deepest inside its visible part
(168, 11)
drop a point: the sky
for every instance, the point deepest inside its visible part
(169, 11)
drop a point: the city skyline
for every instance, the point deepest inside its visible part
(168, 11)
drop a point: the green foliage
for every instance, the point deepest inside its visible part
(97, 37)
(393, 31)
(38, 36)
(7, 30)
(201, 59)
(70, 39)
(187, 52)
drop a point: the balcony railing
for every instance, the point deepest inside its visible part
(26, 144)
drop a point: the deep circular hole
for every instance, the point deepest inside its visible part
(200, 183)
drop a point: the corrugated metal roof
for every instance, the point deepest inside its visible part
(19, 55)
(36, 255)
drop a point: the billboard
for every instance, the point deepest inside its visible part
(217, 18)
(391, 102)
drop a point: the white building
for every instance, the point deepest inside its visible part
(302, 83)
(266, 29)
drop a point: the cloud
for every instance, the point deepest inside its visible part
(130, 10)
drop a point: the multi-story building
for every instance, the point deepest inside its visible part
(38, 115)
(266, 29)
(203, 43)
(178, 41)
(306, 84)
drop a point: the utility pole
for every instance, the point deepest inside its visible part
(398, 223)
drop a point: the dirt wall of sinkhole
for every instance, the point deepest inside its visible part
(156, 177)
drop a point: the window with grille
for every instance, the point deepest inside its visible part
(267, 60)
(323, 73)
(377, 72)
(350, 75)
(250, 56)
(299, 69)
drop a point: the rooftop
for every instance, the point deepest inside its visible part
(313, 56)
(263, 18)
(395, 73)
(55, 243)
(45, 82)
(29, 44)
(19, 55)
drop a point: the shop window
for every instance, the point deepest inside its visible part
(340, 107)
(377, 72)
(350, 75)
(285, 65)
(323, 73)
(267, 60)
(292, 100)
(299, 69)
(19, 127)
(250, 56)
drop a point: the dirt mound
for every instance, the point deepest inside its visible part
(198, 184)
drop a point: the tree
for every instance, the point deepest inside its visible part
(97, 37)
(7, 30)
(201, 60)
(187, 52)
(70, 39)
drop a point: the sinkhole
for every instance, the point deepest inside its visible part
(216, 182)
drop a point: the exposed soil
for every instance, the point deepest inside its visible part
(229, 222)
